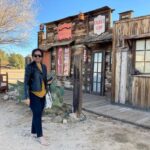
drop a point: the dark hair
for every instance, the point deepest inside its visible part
(37, 49)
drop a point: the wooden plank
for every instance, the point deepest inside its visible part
(143, 87)
(117, 77)
(123, 77)
(148, 91)
(141, 92)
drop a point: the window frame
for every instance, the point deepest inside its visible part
(142, 61)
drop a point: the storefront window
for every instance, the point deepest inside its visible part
(142, 58)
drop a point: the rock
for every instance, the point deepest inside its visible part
(73, 117)
(13, 93)
(6, 97)
(57, 119)
(65, 121)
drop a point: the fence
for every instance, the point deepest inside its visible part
(14, 75)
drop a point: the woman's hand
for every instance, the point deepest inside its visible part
(27, 101)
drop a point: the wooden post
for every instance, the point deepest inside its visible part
(77, 84)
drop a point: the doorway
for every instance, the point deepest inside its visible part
(97, 73)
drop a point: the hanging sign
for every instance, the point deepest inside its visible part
(60, 62)
(66, 61)
(99, 24)
(64, 31)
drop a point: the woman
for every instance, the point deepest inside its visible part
(35, 84)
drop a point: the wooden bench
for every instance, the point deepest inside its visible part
(3, 82)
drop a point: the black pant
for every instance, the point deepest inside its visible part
(37, 105)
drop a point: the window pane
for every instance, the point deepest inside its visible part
(100, 57)
(99, 67)
(139, 66)
(140, 45)
(147, 56)
(147, 67)
(98, 87)
(140, 55)
(95, 67)
(94, 87)
(95, 57)
(148, 44)
(95, 77)
(99, 77)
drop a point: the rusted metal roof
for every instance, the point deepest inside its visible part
(104, 37)
(62, 43)
(46, 47)
(86, 13)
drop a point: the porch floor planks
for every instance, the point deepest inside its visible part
(101, 106)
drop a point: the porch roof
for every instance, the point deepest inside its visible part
(46, 47)
(104, 37)
(62, 43)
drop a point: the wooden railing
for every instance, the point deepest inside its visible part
(14, 75)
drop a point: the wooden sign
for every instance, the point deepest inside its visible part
(99, 24)
(64, 31)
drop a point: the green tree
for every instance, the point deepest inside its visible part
(4, 58)
(16, 60)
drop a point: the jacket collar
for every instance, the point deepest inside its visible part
(35, 65)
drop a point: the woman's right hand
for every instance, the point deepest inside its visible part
(27, 101)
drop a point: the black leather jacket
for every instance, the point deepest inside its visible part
(33, 78)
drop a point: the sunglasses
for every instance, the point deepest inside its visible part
(37, 55)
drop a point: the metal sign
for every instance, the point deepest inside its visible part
(99, 24)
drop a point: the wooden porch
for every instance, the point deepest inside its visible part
(102, 106)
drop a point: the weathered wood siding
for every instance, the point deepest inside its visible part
(141, 91)
(137, 88)
(129, 29)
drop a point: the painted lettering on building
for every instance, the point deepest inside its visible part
(64, 31)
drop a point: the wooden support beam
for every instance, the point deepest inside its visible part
(77, 84)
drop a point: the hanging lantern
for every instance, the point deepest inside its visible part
(41, 27)
(81, 16)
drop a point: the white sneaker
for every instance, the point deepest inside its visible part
(42, 141)
(33, 135)
(74, 116)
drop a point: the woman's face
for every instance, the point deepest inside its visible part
(37, 57)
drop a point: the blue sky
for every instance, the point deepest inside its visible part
(51, 10)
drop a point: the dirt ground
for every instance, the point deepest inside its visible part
(95, 133)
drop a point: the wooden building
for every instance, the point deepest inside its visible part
(131, 61)
(88, 34)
